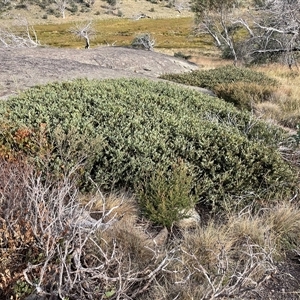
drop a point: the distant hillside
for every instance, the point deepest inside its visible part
(54, 11)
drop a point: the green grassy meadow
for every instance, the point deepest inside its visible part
(168, 33)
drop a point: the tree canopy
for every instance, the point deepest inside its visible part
(263, 30)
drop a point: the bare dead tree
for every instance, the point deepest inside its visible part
(61, 6)
(215, 18)
(276, 28)
(24, 36)
(84, 31)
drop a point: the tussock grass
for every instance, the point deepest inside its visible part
(118, 255)
(121, 205)
(205, 241)
(211, 256)
(284, 222)
(284, 106)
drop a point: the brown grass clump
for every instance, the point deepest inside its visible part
(287, 95)
(120, 205)
(244, 95)
(54, 241)
(234, 258)
(284, 222)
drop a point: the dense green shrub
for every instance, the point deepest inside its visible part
(241, 86)
(130, 128)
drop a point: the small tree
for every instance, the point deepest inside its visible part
(84, 32)
(166, 197)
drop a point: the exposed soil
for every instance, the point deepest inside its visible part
(286, 283)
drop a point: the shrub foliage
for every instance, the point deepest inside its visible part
(166, 197)
(241, 86)
(129, 128)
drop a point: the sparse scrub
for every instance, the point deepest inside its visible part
(55, 241)
(50, 244)
(134, 127)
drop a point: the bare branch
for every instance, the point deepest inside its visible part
(84, 31)
(25, 37)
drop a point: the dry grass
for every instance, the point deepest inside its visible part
(231, 259)
(119, 254)
(284, 108)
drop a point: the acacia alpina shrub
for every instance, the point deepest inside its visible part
(126, 129)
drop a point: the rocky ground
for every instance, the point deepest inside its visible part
(22, 68)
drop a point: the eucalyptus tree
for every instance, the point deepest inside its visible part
(257, 30)
(216, 18)
(276, 29)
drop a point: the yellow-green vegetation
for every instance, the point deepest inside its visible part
(134, 127)
(284, 106)
(241, 86)
(168, 33)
